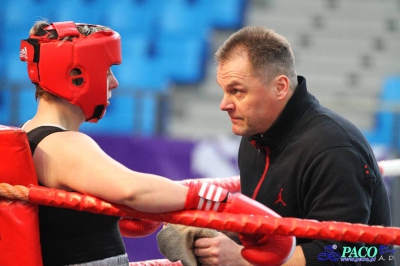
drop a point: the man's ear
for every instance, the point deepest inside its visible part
(282, 85)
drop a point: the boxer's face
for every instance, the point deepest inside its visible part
(112, 83)
(251, 105)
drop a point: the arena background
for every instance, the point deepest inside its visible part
(165, 116)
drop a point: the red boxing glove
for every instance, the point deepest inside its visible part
(134, 228)
(205, 197)
(208, 197)
(267, 249)
(258, 249)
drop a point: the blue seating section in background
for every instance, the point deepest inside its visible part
(386, 131)
(163, 42)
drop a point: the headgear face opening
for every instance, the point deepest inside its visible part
(75, 68)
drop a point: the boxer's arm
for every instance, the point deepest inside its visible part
(73, 161)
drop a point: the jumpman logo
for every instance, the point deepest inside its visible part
(279, 199)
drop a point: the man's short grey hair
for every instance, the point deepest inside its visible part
(269, 53)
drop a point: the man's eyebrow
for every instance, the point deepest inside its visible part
(231, 84)
(234, 83)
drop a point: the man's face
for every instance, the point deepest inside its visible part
(251, 106)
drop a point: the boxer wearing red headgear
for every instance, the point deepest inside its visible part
(73, 66)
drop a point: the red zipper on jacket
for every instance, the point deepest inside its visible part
(267, 151)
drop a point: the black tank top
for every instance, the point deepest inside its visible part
(70, 237)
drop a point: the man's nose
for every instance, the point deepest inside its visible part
(226, 104)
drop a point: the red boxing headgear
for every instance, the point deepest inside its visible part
(52, 61)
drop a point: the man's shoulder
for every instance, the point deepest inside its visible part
(324, 124)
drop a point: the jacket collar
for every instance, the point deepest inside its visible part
(279, 134)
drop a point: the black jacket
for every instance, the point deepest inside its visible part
(320, 167)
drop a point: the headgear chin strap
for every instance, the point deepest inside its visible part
(88, 58)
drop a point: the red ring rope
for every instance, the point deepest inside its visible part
(238, 223)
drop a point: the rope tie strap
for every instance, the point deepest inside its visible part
(16, 192)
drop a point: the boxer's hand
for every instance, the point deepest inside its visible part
(206, 197)
(130, 227)
(258, 249)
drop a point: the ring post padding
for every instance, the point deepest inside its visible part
(19, 221)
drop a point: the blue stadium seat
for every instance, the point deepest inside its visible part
(3, 64)
(387, 124)
(27, 103)
(129, 114)
(2, 21)
(184, 58)
(224, 14)
(132, 18)
(135, 46)
(21, 96)
(22, 14)
(139, 70)
(147, 80)
(179, 17)
(183, 40)
(5, 107)
(382, 133)
(391, 90)
(118, 119)
(144, 80)
(149, 114)
(83, 11)
(142, 74)
(15, 69)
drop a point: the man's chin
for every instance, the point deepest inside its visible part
(240, 131)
